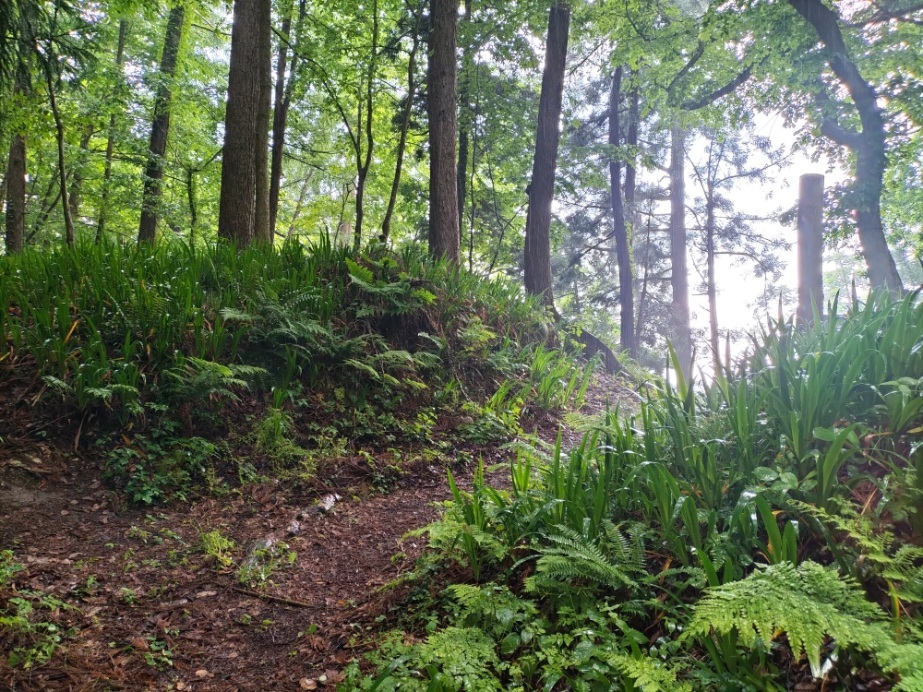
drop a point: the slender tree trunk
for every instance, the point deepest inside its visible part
(262, 229)
(282, 103)
(299, 204)
(619, 228)
(16, 194)
(160, 126)
(710, 278)
(642, 295)
(870, 167)
(868, 145)
(537, 255)
(279, 118)
(464, 121)
(443, 190)
(110, 140)
(405, 127)
(16, 167)
(679, 273)
(245, 120)
(631, 140)
(77, 172)
(363, 164)
(62, 171)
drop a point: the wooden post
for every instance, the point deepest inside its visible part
(810, 247)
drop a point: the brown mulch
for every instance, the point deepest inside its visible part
(154, 611)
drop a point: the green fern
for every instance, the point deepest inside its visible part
(464, 654)
(809, 603)
(574, 557)
(901, 568)
(647, 674)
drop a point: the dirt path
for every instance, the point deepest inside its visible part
(156, 610)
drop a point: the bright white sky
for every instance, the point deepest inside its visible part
(738, 287)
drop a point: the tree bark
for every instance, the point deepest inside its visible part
(619, 228)
(237, 215)
(868, 145)
(443, 191)
(679, 273)
(16, 163)
(16, 194)
(405, 127)
(110, 140)
(262, 228)
(537, 255)
(160, 126)
(810, 247)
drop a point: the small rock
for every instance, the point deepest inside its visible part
(182, 686)
(327, 502)
(294, 528)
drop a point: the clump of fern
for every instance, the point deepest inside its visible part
(574, 560)
(811, 605)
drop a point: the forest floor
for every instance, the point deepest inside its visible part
(143, 605)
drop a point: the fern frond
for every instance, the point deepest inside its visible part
(576, 558)
(647, 674)
(808, 603)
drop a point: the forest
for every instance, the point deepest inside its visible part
(404, 345)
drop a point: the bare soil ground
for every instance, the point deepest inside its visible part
(153, 610)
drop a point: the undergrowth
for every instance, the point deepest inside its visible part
(281, 353)
(752, 533)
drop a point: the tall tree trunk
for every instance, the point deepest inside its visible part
(364, 163)
(443, 191)
(679, 273)
(710, 278)
(62, 171)
(16, 164)
(465, 118)
(619, 228)
(405, 127)
(237, 214)
(281, 105)
(160, 126)
(631, 140)
(299, 204)
(16, 194)
(868, 144)
(537, 255)
(642, 294)
(262, 228)
(77, 171)
(110, 140)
